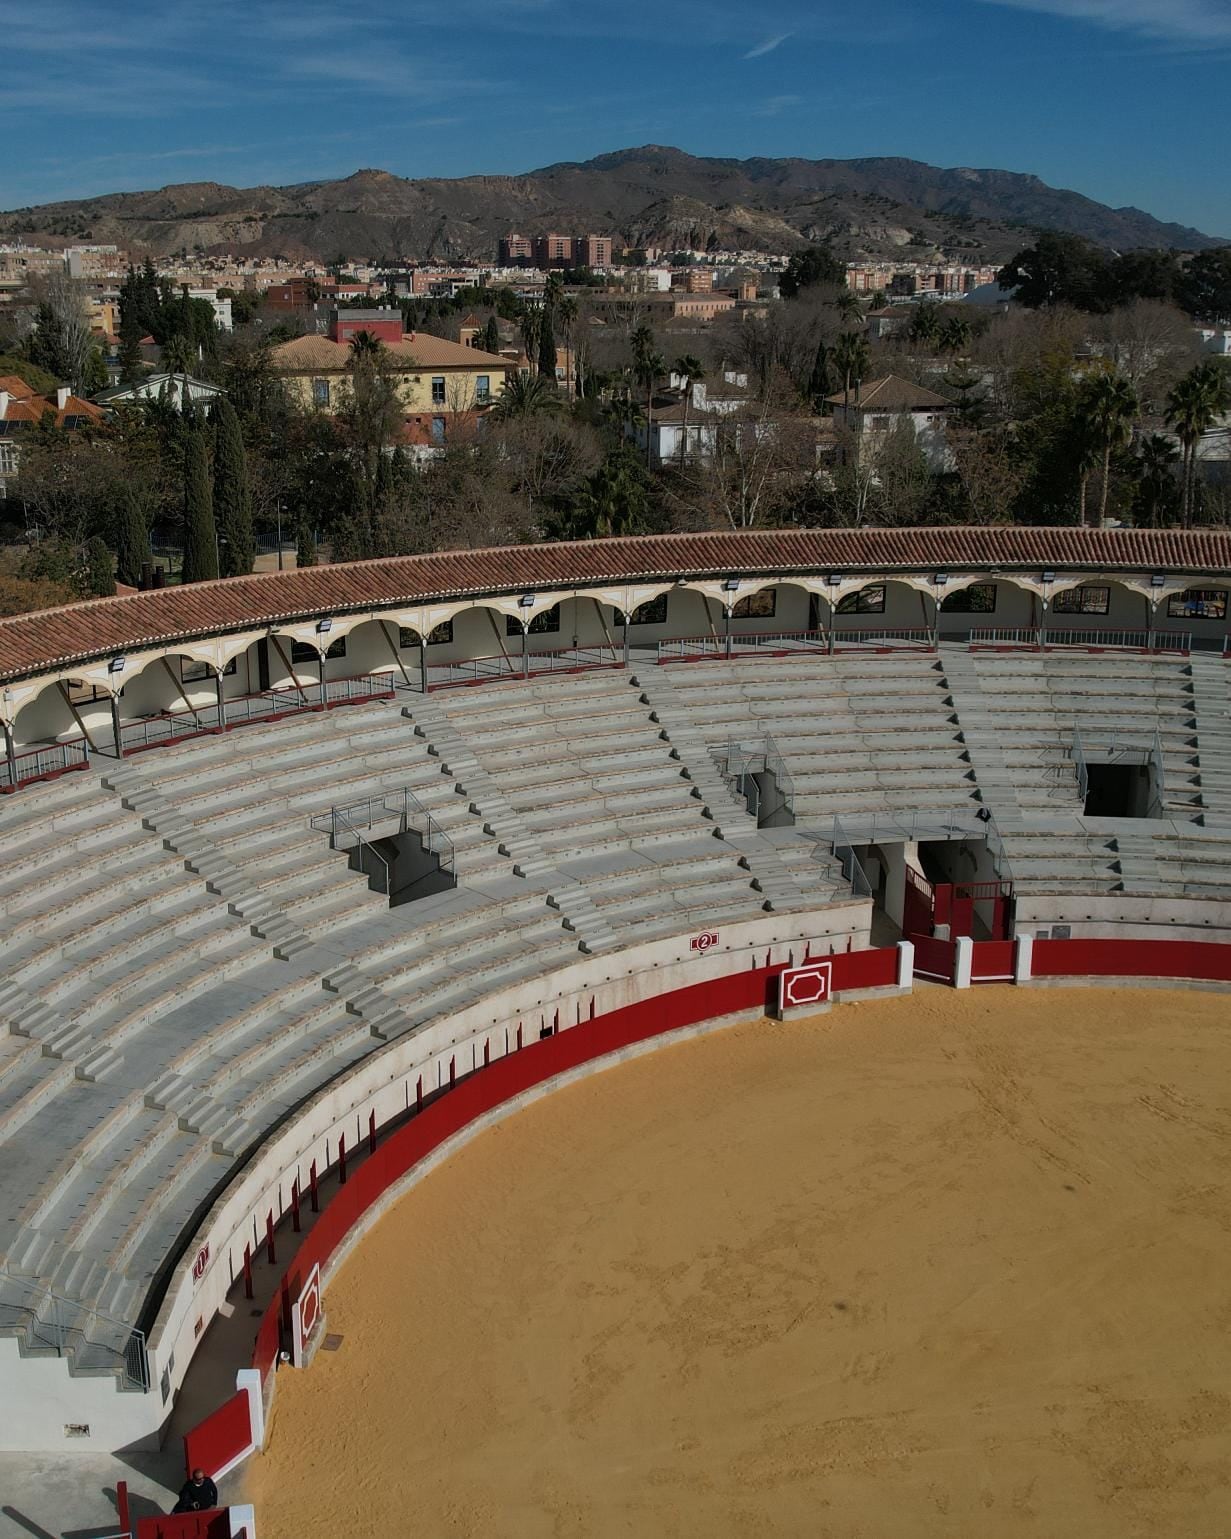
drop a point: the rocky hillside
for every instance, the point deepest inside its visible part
(647, 196)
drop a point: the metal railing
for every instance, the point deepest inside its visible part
(882, 638)
(42, 763)
(844, 854)
(512, 665)
(1118, 744)
(348, 823)
(1160, 774)
(1036, 638)
(86, 1336)
(1078, 756)
(286, 700)
(742, 760)
(923, 828)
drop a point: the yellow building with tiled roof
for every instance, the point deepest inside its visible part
(439, 381)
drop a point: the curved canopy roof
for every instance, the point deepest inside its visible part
(56, 637)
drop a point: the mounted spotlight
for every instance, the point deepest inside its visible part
(731, 585)
(833, 579)
(526, 601)
(1049, 576)
(117, 665)
(1158, 579)
(940, 579)
(323, 627)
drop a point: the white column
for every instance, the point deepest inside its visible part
(964, 963)
(1023, 958)
(906, 965)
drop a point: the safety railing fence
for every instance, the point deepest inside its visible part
(43, 763)
(164, 727)
(1037, 638)
(882, 638)
(912, 827)
(844, 854)
(682, 648)
(348, 825)
(1158, 790)
(1078, 756)
(776, 764)
(87, 1336)
(515, 665)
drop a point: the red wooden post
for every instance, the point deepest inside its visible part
(316, 1196)
(295, 1204)
(121, 1508)
(247, 1272)
(341, 1159)
(372, 1132)
(269, 1237)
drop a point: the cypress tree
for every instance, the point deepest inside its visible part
(820, 383)
(99, 579)
(547, 345)
(305, 545)
(491, 336)
(200, 543)
(132, 541)
(232, 499)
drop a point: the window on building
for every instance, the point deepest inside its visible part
(320, 392)
(438, 430)
(544, 623)
(1082, 601)
(304, 652)
(195, 673)
(868, 601)
(338, 649)
(407, 637)
(8, 459)
(438, 390)
(978, 599)
(652, 612)
(757, 606)
(81, 693)
(442, 635)
(482, 389)
(1198, 604)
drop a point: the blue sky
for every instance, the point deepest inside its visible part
(1124, 100)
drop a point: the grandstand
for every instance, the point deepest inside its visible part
(287, 917)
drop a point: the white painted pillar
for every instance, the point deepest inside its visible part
(906, 965)
(964, 962)
(1023, 958)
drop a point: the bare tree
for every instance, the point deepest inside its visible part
(991, 472)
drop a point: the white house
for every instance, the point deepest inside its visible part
(176, 389)
(879, 405)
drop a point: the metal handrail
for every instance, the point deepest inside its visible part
(37, 763)
(1078, 756)
(49, 1319)
(402, 804)
(844, 854)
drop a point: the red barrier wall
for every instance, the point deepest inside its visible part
(220, 1439)
(1205, 960)
(991, 961)
(509, 1076)
(934, 957)
(187, 1525)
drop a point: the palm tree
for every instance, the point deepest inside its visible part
(649, 369)
(566, 313)
(1107, 409)
(1156, 458)
(1197, 399)
(851, 359)
(365, 344)
(955, 334)
(526, 395)
(924, 325)
(642, 341)
(690, 370)
(848, 306)
(530, 322)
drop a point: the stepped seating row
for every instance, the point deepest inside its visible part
(591, 780)
(858, 734)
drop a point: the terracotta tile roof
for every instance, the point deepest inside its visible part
(103, 627)
(893, 393)
(76, 407)
(16, 387)
(419, 350)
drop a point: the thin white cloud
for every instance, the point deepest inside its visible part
(1183, 21)
(768, 45)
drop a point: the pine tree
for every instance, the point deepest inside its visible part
(131, 330)
(547, 344)
(232, 499)
(132, 542)
(305, 545)
(99, 579)
(200, 540)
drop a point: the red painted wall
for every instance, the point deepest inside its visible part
(1205, 960)
(221, 1438)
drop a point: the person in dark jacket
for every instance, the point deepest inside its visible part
(198, 1494)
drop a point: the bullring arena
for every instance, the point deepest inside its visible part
(631, 1036)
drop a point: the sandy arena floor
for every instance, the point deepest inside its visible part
(954, 1265)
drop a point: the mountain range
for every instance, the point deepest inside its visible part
(654, 195)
